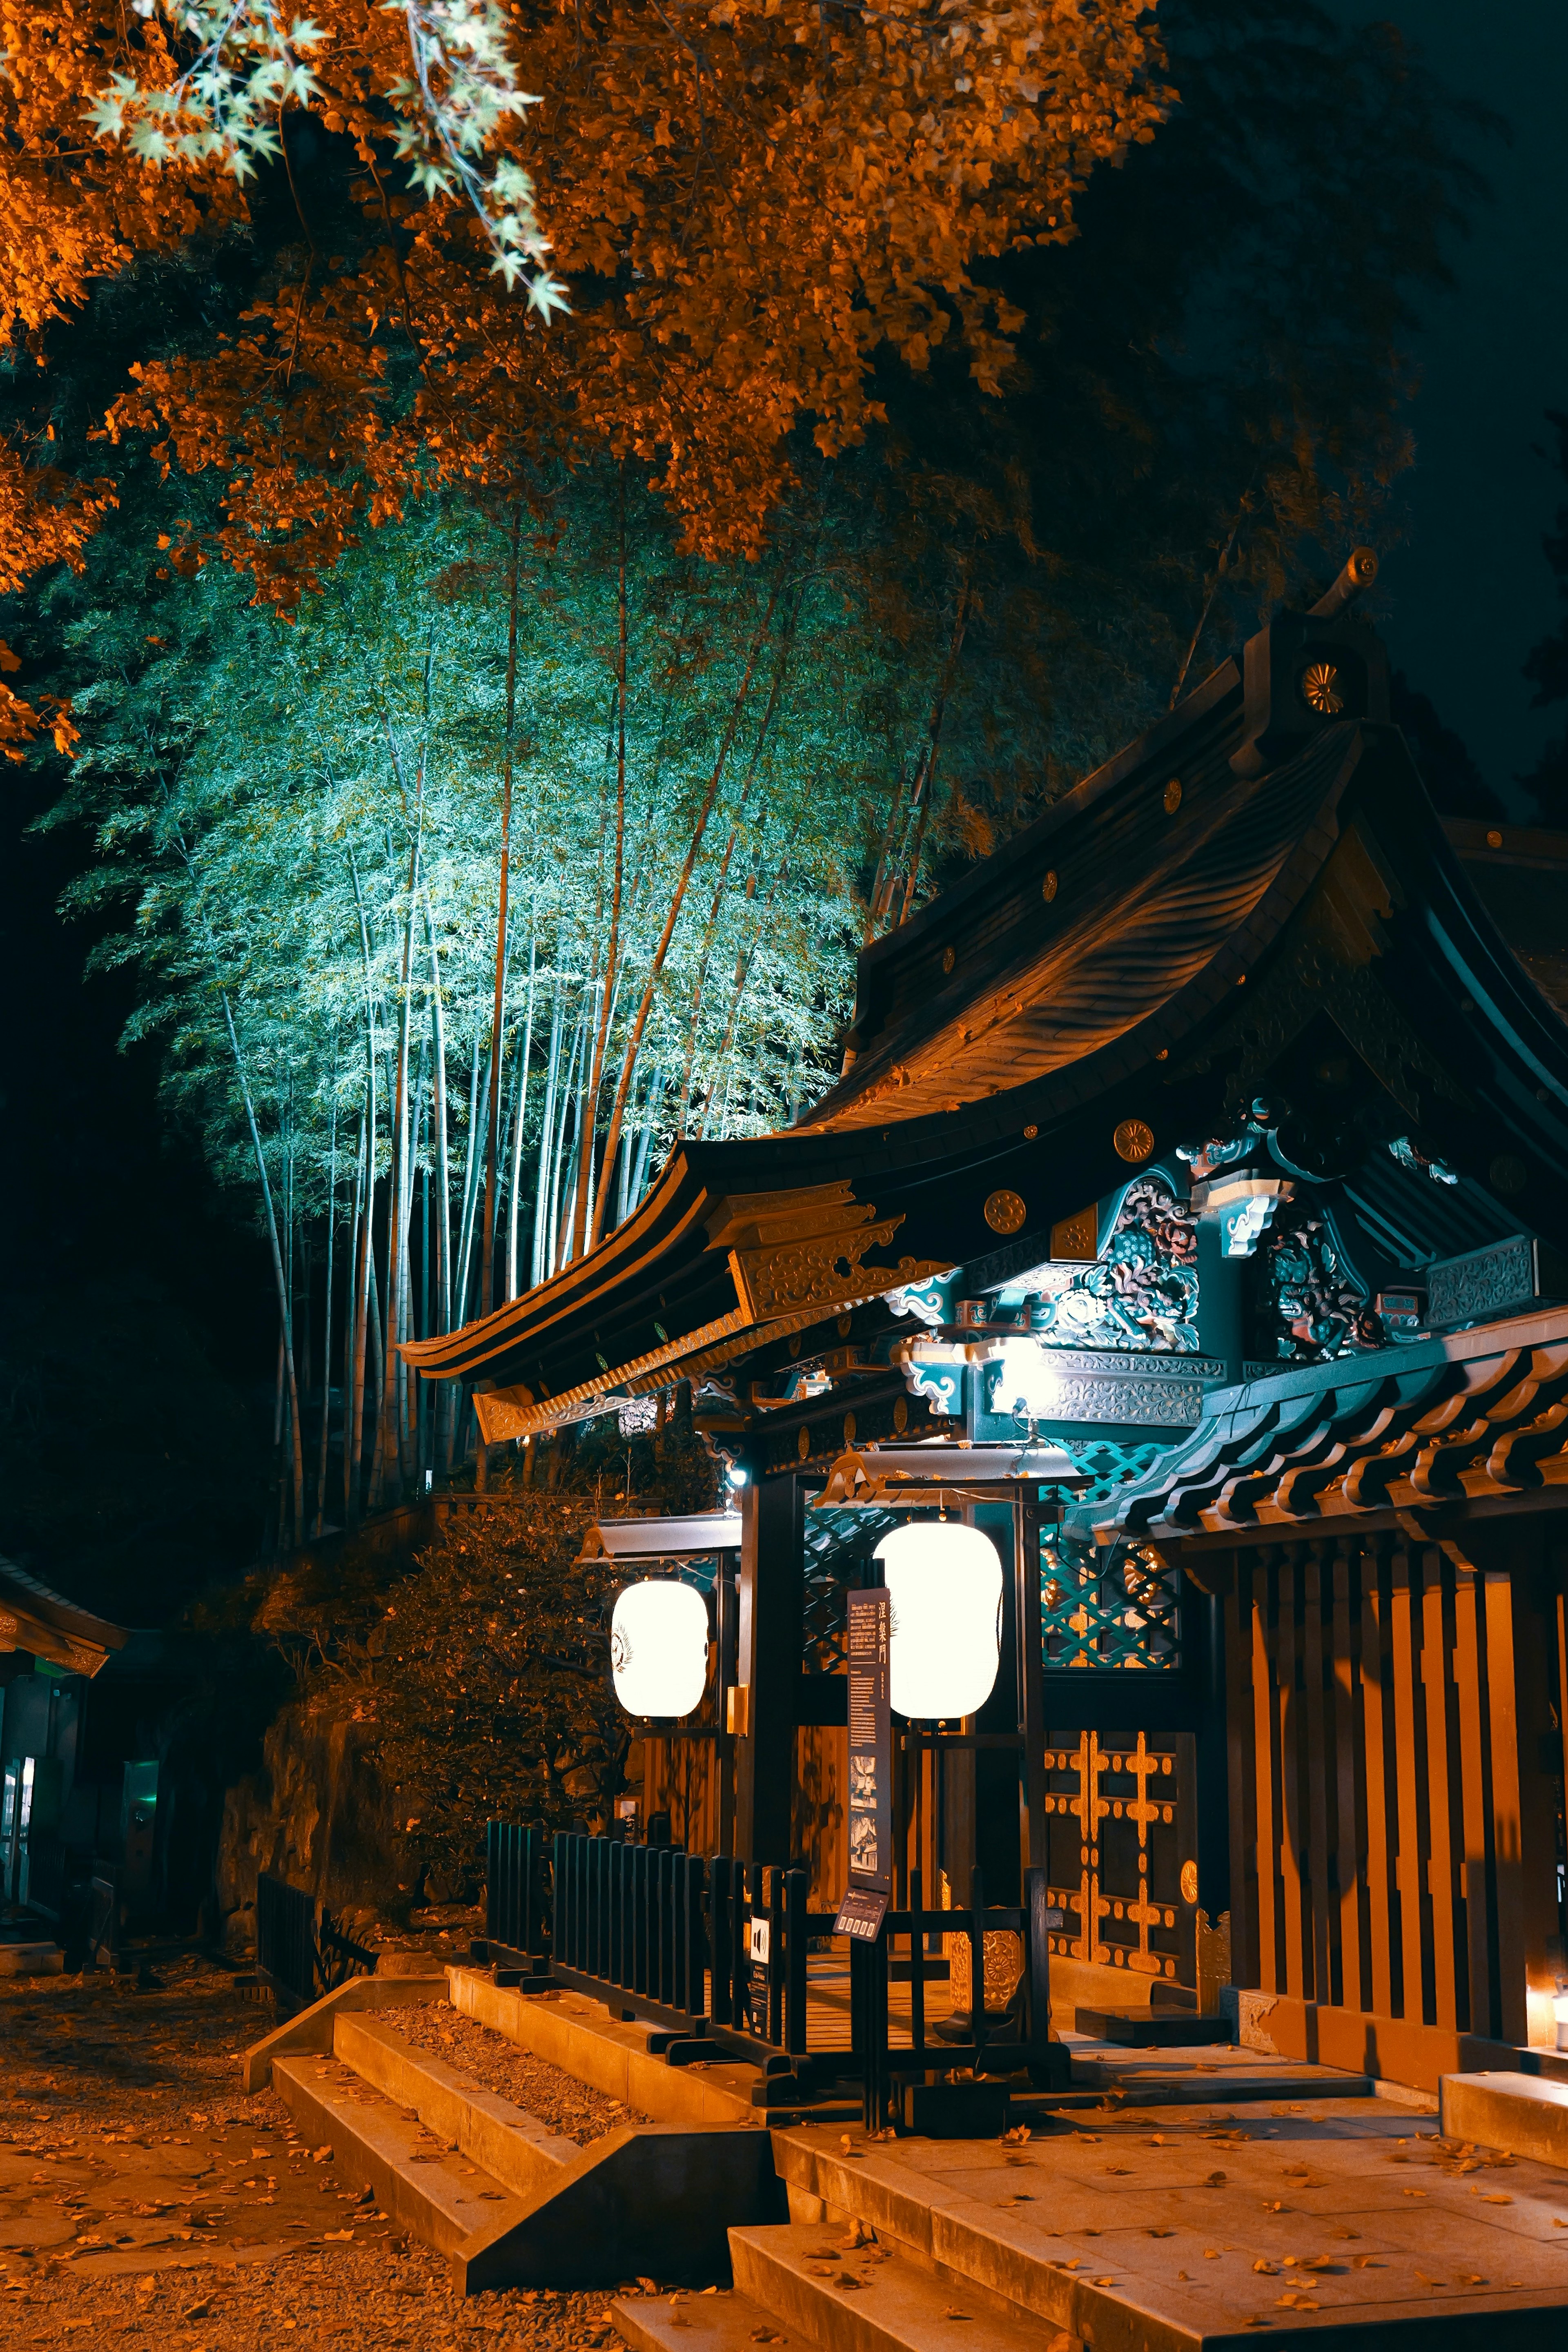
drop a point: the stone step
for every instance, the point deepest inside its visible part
(1153, 2029)
(1154, 2077)
(511, 2144)
(510, 2203)
(1526, 2114)
(872, 2300)
(612, 2054)
(36, 1959)
(725, 2322)
(312, 2029)
(431, 2190)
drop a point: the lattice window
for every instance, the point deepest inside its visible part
(1109, 1609)
(1107, 1465)
(834, 1541)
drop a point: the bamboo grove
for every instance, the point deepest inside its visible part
(529, 845)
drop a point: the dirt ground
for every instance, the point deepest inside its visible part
(143, 2198)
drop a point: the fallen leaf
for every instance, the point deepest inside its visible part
(955, 2315)
(1298, 2303)
(1268, 2268)
(329, 2236)
(1496, 2197)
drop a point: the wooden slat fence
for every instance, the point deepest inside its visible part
(1394, 1806)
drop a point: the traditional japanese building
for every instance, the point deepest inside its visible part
(1216, 1130)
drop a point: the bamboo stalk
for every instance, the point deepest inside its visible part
(327, 1316)
(546, 1144)
(514, 1205)
(633, 1043)
(487, 1255)
(283, 1305)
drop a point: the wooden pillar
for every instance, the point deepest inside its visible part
(770, 1631)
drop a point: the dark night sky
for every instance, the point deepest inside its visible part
(1469, 592)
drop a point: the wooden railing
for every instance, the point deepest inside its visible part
(716, 1955)
(300, 1953)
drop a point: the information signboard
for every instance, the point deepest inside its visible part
(865, 1904)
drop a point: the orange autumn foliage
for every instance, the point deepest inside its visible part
(748, 200)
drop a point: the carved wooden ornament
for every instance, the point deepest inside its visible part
(1134, 1141)
(1005, 1211)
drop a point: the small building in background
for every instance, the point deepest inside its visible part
(80, 1852)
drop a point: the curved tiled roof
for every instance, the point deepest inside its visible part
(1007, 1039)
(1466, 1420)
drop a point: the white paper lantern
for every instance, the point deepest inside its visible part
(945, 1583)
(659, 1648)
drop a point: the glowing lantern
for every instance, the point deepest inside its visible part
(945, 1581)
(1027, 1385)
(659, 1648)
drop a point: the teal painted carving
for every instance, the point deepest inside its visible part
(941, 1385)
(1143, 1291)
(1313, 1308)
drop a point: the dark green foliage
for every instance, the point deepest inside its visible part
(488, 1682)
(479, 1674)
